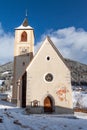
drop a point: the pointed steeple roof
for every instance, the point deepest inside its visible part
(25, 25)
(25, 22)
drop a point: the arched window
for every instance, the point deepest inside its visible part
(24, 36)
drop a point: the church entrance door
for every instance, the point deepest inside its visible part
(48, 105)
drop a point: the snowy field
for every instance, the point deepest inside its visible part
(13, 118)
(80, 99)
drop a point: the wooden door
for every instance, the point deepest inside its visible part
(48, 105)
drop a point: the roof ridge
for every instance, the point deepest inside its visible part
(57, 51)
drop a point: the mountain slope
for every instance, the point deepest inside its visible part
(78, 72)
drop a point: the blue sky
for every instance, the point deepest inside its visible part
(44, 14)
(47, 17)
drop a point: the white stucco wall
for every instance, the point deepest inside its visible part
(38, 88)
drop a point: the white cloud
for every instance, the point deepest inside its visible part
(71, 42)
(6, 46)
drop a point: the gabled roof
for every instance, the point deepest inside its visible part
(56, 50)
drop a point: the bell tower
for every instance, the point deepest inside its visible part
(23, 52)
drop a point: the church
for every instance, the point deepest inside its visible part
(41, 82)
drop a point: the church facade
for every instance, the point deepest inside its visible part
(42, 82)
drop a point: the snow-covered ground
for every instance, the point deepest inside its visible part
(1, 81)
(80, 99)
(13, 118)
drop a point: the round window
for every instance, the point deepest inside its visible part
(49, 77)
(48, 58)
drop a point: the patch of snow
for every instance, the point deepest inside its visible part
(9, 93)
(6, 72)
(1, 81)
(80, 99)
(23, 27)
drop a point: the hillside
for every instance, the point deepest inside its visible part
(6, 71)
(78, 72)
(6, 76)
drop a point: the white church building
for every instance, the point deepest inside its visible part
(42, 82)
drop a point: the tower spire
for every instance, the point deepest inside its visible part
(26, 13)
(25, 22)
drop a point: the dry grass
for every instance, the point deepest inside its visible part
(80, 110)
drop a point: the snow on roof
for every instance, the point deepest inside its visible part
(23, 27)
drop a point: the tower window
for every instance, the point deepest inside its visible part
(23, 63)
(24, 36)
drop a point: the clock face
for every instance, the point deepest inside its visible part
(23, 50)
